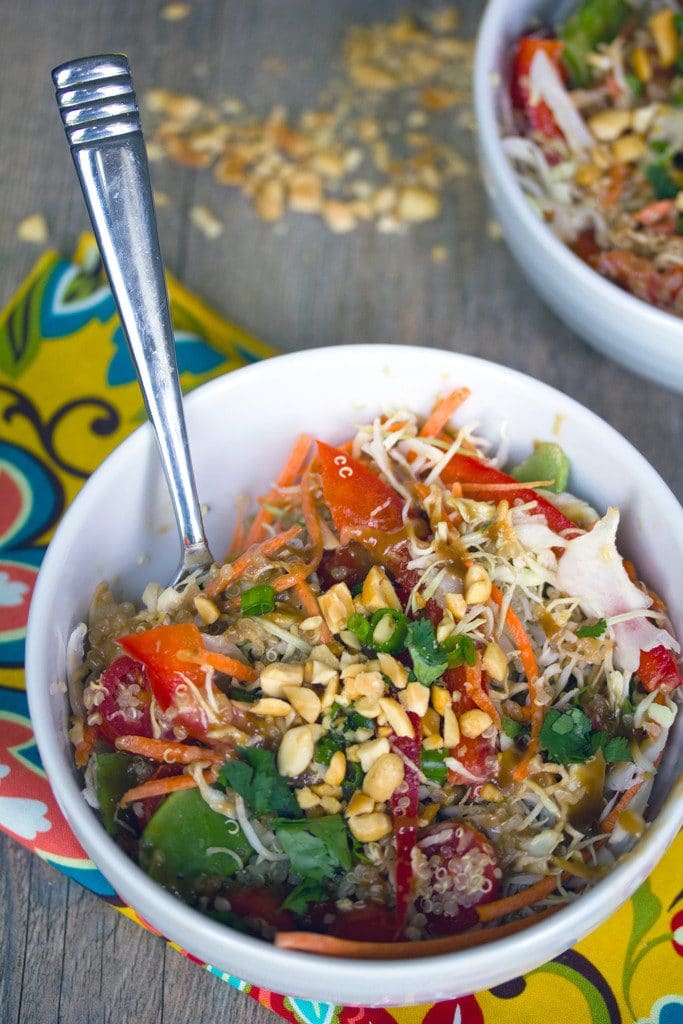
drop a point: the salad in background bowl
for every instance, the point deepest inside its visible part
(581, 141)
(436, 575)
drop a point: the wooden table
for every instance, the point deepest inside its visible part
(64, 955)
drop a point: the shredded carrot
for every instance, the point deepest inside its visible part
(233, 570)
(310, 605)
(443, 410)
(328, 945)
(502, 488)
(288, 475)
(85, 746)
(475, 689)
(238, 536)
(163, 787)
(313, 527)
(610, 822)
(526, 653)
(222, 663)
(511, 904)
(166, 751)
(653, 213)
(616, 182)
(422, 490)
(301, 572)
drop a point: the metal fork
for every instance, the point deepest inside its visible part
(100, 113)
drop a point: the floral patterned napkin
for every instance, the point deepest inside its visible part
(55, 429)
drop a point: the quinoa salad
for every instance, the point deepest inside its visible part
(592, 119)
(420, 704)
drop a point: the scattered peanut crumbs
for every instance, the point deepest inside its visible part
(375, 149)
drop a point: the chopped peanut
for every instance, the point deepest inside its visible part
(384, 777)
(271, 706)
(305, 702)
(360, 803)
(473, 723)
(451, 730)
(336, 770)
(368, 828)
(275, 677)
(378, 591)
(206, 609)
(306, 798)
(415, 698)
(296, 751)
(393, 669)
(477, 585)
(369, 751)
(337, 607)
(397, 717)
(456, 605)
(433, 742)
(495, 662)
(441, 699)
(662, 25)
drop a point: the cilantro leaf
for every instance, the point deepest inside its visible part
(432, 765)
(360, 627)
(568, 738)
(460, 650)
(597, 629)
(617, 749)
(308, 891)
(316, 847)
(429, 659)
(510, 727)
(256, 778)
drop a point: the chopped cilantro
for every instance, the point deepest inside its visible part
(617, 749)
(239, 693)
(568, 738)
(510, 727)
(430, 661)
(460, 650)
(360, 627)
(352, 780)
(316, 847)
(308, 891)
(597, 629)
(354, 721)
(326, 747)
(663, 186)
(256, 778)
(634, 84)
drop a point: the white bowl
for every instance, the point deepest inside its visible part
(241, 427)
(641, 337)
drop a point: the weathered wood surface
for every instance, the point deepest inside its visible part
(64, 956)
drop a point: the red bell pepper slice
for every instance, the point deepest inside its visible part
(405, 820)
(357, 498)
(367, 510)
(465, 469)
(158, 649)
(658, 668)
(540, 115)
(477, 756)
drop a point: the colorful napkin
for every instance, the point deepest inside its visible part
(68, 396)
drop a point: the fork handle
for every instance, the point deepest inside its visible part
(102, 122)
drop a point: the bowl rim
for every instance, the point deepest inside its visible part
(190, 927)
(664, 325)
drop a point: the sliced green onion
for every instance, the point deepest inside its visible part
(258, 600)
(432, 765)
